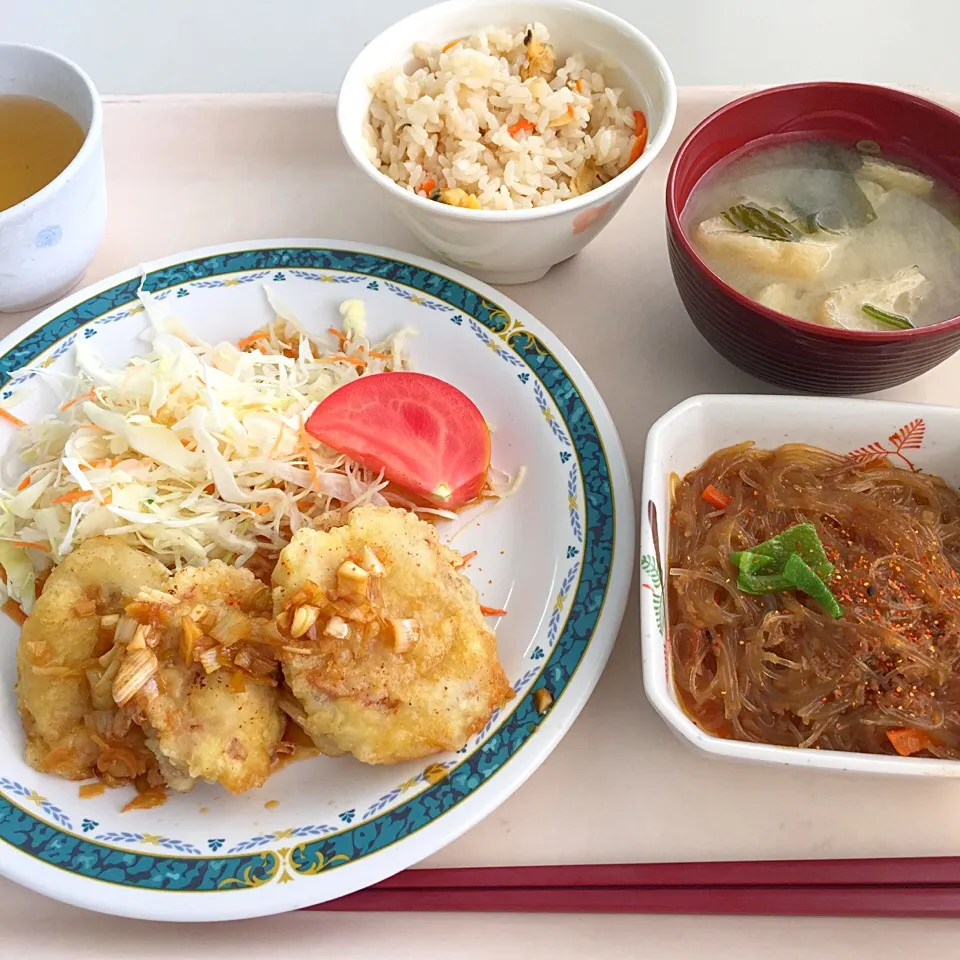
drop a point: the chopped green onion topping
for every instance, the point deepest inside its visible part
(894, 320)
(792, 560)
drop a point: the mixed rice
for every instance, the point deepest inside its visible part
(495, 122)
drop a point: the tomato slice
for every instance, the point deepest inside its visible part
(423, 433)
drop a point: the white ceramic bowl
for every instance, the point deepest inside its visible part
(48, 240)
(684, 437)
(514, 246)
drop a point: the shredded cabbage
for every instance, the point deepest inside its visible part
(194, 451)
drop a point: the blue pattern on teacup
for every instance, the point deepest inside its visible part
(48, 236)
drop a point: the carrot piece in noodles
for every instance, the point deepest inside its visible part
(908, 741)
(716, 498)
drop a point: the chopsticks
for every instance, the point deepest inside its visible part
(907, 887)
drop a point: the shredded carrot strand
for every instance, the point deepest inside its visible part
(341, 337)
(89, 395)
(10, 418)
(13, 610)
(450, 45)
(33, 544)
(467, 557)
(579, 85)
(492, 611)
(254, 337)
(264, 508)
(356, 361)
(522, 124)
(71, 496)
(25, 482)
(96, 464)
(308, 454)
(380, 355)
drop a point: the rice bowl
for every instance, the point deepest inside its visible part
(516, 244)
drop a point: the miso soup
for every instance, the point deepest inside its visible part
(834, 235)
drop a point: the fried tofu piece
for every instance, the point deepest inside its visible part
(53, 693)
(203, 726)
(791, 259)
(401, 664)
(873, 191)
(891, 176)
(782, 297)
(843, 307)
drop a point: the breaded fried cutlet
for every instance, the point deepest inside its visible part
(389, 653)
(58, 642)
(209, 724)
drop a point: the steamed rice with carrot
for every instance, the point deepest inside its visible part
(496, 121)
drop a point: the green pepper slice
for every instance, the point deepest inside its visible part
(799, 539)
(803, 578)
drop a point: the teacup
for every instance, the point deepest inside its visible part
(48, 240)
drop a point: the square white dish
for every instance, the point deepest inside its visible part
(915, 436)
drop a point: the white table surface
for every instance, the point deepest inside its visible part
(188, 171)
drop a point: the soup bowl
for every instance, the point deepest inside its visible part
(912, 435)
(769, 345)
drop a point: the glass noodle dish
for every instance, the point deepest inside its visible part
(834, 235)
(814, 602)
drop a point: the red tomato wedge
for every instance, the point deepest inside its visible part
(423, 433)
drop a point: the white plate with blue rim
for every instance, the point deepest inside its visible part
(558, 555)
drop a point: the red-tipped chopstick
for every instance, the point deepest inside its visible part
(848, 901)
(894, 871)
(907, 887)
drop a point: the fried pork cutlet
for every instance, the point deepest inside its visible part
(200, 682)
(388, 650)
(73, 728)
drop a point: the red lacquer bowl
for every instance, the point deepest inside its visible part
(769, 345)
